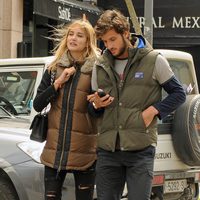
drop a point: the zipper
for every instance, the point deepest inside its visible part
(63, 143)
(121, 83)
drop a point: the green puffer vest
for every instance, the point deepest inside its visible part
(134, 94)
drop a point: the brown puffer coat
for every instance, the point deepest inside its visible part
(71, 137)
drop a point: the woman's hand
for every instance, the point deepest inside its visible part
(64, 77)
(100, 102)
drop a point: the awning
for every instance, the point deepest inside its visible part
(66, 10)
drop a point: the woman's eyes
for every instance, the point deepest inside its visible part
(78, 35)
(71, 34)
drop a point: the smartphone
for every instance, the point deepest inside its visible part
(101, 93)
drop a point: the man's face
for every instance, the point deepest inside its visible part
(116, 43)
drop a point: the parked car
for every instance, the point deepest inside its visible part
(21, 173)
(177, 160)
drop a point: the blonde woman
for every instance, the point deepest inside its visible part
(71, 138)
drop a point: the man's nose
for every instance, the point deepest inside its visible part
(109, 45)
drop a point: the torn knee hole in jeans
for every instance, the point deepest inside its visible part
(84, 187)
(51, 194)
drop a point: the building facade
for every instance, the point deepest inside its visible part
(25, 25)
(176, 24)
(11, 27)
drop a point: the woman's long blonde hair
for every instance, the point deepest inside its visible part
(60, 37)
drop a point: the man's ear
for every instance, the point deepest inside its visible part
(127, 34)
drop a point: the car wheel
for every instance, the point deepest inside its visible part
(186, 131)
(7, 190)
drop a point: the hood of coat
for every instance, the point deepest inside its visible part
(67, 61)
(140, 48)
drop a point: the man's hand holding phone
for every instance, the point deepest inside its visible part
(100, 99)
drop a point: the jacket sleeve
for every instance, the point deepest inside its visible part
(95, 112)
(176, 96)
(91, 110)
(45, 93)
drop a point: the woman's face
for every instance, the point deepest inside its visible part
(76, 39)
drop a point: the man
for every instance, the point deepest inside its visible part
(132, 75)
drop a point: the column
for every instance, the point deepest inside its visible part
(11, 27)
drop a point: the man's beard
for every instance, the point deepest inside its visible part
(121, 50)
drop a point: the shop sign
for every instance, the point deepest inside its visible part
(176, 22)
(64, 13)
(64, 10)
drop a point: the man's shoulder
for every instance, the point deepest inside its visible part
(153, 53)
(104, 58)
(150, 55)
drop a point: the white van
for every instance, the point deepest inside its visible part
(177, 160)
(19, 79)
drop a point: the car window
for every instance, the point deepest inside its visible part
(16, 91)
(4, 114)
(183, 73)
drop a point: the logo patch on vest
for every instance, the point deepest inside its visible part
(139, 75)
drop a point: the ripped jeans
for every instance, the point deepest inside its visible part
(84, 183)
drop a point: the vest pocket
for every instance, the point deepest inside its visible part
(141, 121)
(134, 121)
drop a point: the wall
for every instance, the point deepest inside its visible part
(11, 27)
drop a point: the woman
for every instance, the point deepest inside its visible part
(71, 136)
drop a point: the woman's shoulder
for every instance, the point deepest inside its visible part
(88, 65)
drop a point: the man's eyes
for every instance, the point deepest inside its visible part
(112, 39)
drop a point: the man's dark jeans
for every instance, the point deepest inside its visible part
(135, 168)
(84, 183)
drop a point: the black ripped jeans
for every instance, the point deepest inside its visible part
(84, 183)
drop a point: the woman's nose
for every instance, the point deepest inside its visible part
(72, 37)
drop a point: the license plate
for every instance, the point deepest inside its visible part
(175, 186)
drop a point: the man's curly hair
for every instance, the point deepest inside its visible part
(111, 19)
